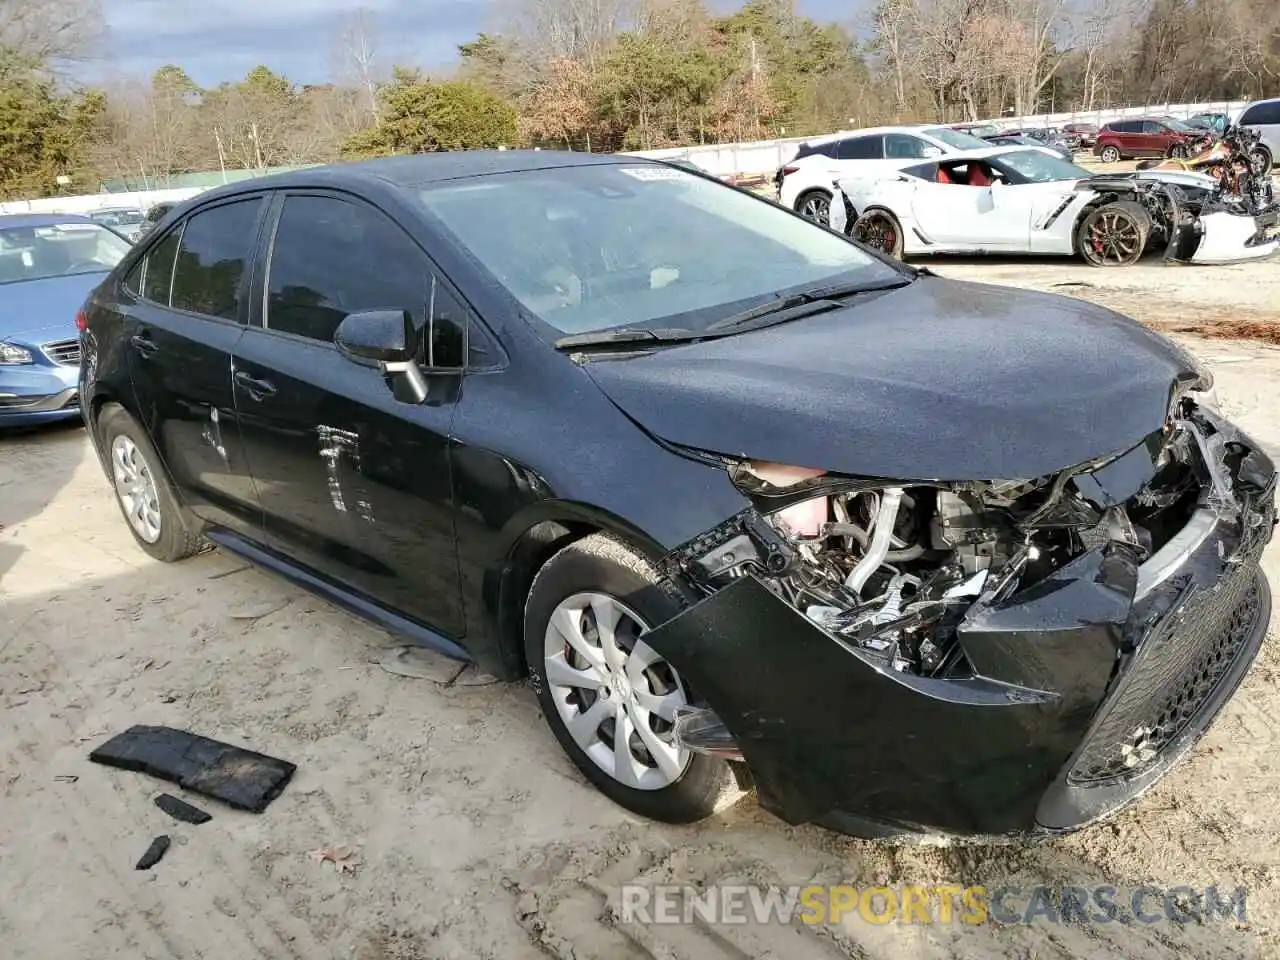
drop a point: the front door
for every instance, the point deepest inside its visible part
(354, 483)
(958, 215)
(181, 328)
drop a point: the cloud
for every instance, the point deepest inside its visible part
(220, 40)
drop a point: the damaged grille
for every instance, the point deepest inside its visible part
(1175, 671)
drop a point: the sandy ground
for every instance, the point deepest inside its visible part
(475, 835)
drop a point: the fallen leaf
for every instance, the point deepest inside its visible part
(341, 856)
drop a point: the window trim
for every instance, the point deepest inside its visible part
(260, 323)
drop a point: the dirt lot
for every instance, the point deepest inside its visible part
(476, 837)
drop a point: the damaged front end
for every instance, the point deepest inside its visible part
(975, 658)
(1224, 223)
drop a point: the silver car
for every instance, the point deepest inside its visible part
(1264, 117)
(126, 221)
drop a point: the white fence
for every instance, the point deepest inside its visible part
(721, 159)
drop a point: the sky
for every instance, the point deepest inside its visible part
(216, 40)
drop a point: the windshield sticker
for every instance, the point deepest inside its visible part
(656, 173)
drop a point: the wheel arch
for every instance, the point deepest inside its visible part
(531, 539)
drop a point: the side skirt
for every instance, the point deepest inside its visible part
(361, 606)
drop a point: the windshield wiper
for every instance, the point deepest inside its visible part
(625, 335)
(819, 299)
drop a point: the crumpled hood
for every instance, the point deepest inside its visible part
(37, 311)
(938, 380)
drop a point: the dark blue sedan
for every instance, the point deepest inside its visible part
(48, 265)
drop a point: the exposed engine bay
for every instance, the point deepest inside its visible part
(891, 569)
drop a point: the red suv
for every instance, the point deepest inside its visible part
(1144, 137)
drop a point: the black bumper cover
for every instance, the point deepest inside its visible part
(1089, 686)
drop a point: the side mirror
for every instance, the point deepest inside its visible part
(384, 336)
(931, 153)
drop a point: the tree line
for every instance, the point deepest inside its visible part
(616, 75)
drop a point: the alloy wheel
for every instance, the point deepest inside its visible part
(615, 695)
(136, 488)
(1113, 238)
(816, 207)
(1110, 155)
(877, 232)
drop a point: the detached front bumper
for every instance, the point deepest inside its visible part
(1231, 237)
(1088, 686)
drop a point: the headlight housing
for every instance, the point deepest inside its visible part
(11, 353)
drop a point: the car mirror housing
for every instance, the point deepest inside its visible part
(931, 152)
(385, 336)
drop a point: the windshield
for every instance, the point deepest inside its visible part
(1037, 166)
(117, 218)
(956, 139)
(1177, 126)
(587, 248)
(58, 250)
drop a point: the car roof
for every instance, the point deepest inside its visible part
(421, 169)
(40, 219)
(874, 131)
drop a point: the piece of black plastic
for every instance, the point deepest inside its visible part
(239, 778)
(158, 848)
(181, 810)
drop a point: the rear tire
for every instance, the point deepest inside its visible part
(1114, 234)
(880, 230)
(159, 523)
(815, 205)
(584, 621)
(1110, 155)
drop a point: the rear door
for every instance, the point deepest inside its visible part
(354, 483)
(189, 311)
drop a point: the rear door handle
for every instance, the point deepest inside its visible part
(144, 345)
(257, 389)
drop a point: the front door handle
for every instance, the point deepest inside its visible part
(144, 345)
(257, 389)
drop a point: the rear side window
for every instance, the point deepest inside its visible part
(1262, 114)
(860, 148)
(213, 260)
(158, 269)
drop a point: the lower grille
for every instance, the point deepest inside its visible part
(66, 352)
(1175, 670)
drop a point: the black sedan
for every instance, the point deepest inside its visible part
(739, 497)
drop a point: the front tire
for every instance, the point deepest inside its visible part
(1114, 234)
(1177, 151)
(880, 230)
(1110, 155)
(159, 524)
(1260, 160)
(597, 679)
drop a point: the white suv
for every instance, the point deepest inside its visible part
(1264, 117)
(804, 184)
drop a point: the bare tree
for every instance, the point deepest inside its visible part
(573, 29)
(357, 58)
(49, 31)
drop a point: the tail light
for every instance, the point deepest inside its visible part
(81, 323)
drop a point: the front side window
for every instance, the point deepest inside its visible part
(213, 259)
(58, 250)
(898, 146)
(586, 248)
(331, 258)
(1262, 114)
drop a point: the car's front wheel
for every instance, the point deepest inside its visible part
(159, 523)
(1114, 234)
(1260, 160)
(1110, 155)
(880, 230)
(609, 698)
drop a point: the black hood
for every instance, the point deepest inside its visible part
(939, 380)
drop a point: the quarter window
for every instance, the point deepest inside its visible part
(158, 268)
(213, 259)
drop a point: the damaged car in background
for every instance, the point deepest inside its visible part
(1013, 201)
(744, 501)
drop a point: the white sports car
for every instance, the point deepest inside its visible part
(1024, 200)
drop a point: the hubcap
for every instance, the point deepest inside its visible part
(136, 488)
(616, 696)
